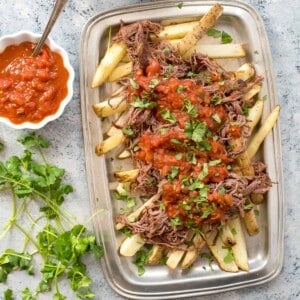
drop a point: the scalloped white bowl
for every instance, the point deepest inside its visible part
(27, 36)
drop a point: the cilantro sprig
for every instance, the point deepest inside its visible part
(31, 178)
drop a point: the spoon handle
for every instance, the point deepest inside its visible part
(58, 7)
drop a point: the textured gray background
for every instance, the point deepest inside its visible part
(282, 21)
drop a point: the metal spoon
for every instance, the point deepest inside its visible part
(58, 7)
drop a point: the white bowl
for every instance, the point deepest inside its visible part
(26, 36)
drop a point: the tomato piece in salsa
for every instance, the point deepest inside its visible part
(31, 88)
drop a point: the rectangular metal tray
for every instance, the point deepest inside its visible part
(265, 250)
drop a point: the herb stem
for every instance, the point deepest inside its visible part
(27, 235)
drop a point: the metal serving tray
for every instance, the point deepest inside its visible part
(265, 250)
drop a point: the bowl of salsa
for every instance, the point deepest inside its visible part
(33, 90)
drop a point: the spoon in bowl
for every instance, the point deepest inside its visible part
(58, 7)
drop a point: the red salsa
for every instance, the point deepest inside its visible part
(189, 155)
(31, 88)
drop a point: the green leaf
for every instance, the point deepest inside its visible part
(180, 89)
(59, 296)
(153, 83)
(190, 108)
(213, 32)
(141, 259)
(134, 84)
(8, 295)
(168, 116)
(229, 258)
(225, 38)
(174, 172)
(128, 131)
(180, 5)
(32, 140)
(178, 156)
(195, 130)
(216, 118)
(143, 103)
(27, 295)
(176, 221)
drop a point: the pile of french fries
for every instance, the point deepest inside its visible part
(186, 38)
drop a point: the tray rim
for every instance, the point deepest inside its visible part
(277, 150)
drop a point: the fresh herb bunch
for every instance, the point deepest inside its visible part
(30, 180)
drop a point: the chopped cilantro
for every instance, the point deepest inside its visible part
(216, 100)
(168, 116)
(195, 130)
(214, 162)
(134, 84)
(265, 98)
(245, 111)
(163, 130)
(207, 211)
(233, 231)
(216, 118)
(143, 103)
(153, 83)
(204, 172)
(128, 131)
(126, 231)
(176, 142)
(256, 211)
(140, 260)
(179, 5)
(229, 258)
(174, 172)
(180, 89)
(178, 156)
(256, 52)
(191, 157)
(248, 206)
(225, 37)
(190, 108)
(222, 190)
(176, 221)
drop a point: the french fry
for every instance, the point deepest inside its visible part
(109, 144)
(156, 254)
(206, 22)
(219, 252)
(126, 176)
(263, 131)
(251, 222)
(176, 31)
(120, 71)
(245, 72)
(131, 245)
(226, 235)
(110, 106)
(112, 57)
(119, 123)
(211, 237)
(218, 51)
(174, 258)
(191, 255)
(255, 113)
(240, 248)
(251, 93)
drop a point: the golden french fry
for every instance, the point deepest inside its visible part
(126, 176)
(219, 252)
(120, 71)
(211, 237)
(240, 248)
(245, 72)
(109, 144)
(110, 106)
(174, 258)
(218, 51)
(191, 255)
(255, 113)
(176, 31)
(131, 245)
(112, 57)
(251, 93)
(226, 235)
(206, 22)
(155, 255)
(263, 131)
(251, 222)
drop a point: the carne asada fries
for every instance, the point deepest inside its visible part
(185, 123)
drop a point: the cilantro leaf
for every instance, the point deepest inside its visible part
(32, 140)
(168, 116)
(8, 295)
(226, 38)
(143, 103)
(195, 130)
(174, 172)
(229, 258)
